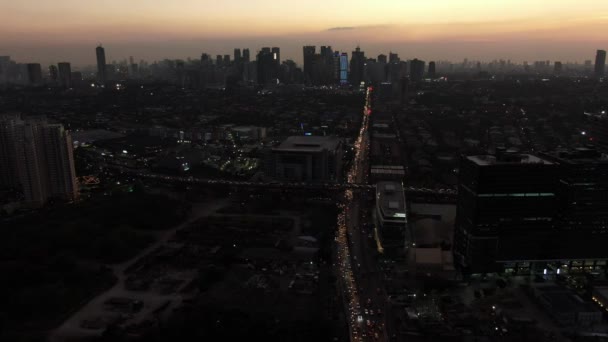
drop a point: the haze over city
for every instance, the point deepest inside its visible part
(327, 171)
(51, 31)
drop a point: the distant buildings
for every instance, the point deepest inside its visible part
(101, 65)
(600, 63)
(307, 159)
(37, 157)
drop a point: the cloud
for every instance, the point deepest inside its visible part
(351, 28)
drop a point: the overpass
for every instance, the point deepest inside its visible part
(447, 193)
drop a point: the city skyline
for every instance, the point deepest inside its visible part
(516, 30)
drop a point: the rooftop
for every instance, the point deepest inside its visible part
(309, 144)
(391, 199)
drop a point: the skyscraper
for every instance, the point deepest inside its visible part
(382, 58)
(101, 65)
(344, 68)
(37, 157)
(600, 63)
(267, 69)
(65, 75)
(246, 56)
(309, 53)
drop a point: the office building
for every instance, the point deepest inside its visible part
(37, 157)
(393, 58)
(544, 214)
(391, 229)
(382, 58)
(600, 63)
(101, 65)
(505, 212)
(65, 75)
(246, 56)
(306, 159)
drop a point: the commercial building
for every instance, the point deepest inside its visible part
(37, 157)
(306, 158)
(391, 220)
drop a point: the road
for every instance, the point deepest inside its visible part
(356, 263)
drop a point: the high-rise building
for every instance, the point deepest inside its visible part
(53, 73)
(226, 60)
(344, 68)
(219, 60)
(357, 67)
(246, 56)
(65, 75)
(101, 65)
(34, 74)
(267, 69)
(505, 212)
(38, 158)
(600, 63)
(382, 58)
(432, 70)
(309, 54)
(417, 70)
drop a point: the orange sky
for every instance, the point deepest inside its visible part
(59, 29)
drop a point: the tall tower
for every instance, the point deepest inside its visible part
(600, 63)
(276, 56)
(101, 64)
(246, 57)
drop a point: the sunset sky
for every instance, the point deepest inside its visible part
(49, 31)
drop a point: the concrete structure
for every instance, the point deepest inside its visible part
(306, 158)
(37, 157)
(65, 75)
(101, 64)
